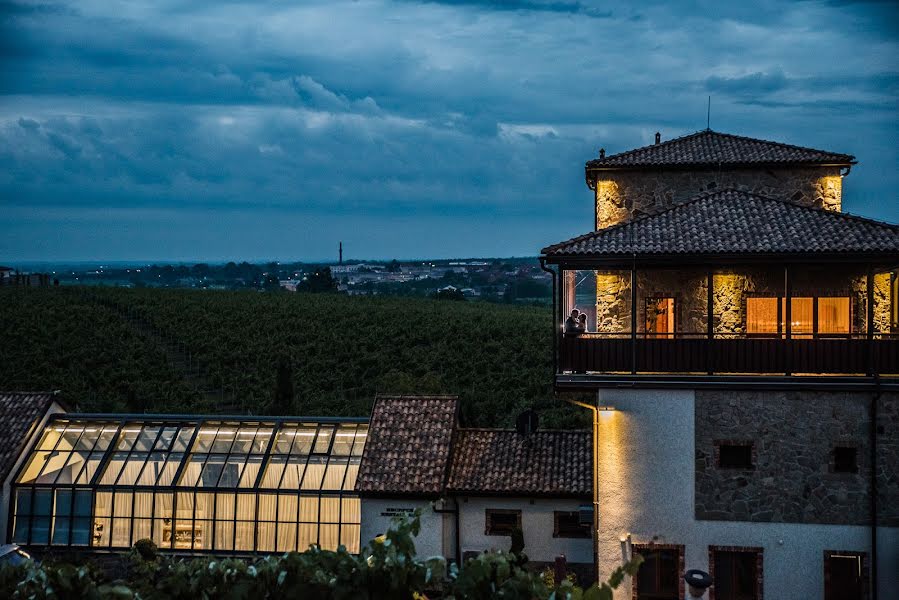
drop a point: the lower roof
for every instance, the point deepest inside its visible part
(734, 222)
(20, 413)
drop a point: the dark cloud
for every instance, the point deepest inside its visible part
(407, 128)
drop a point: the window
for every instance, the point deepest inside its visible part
(833, 315)
(736, 573)
(568, 525)
(734, 455)
(767, 315)
(762, 315)
(660, 317)
(845, 459)
(845, 575)
(659, 577)
(202, 485)
(502, 522)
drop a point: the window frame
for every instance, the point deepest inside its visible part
(679, 549)
(781, 311)
(759, 553)
(753, 458)
(865, 570)
(586, 532)
(489, 528)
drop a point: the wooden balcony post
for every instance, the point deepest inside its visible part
(634, 318)
(788, 319)
(710, 324)
(869, 320)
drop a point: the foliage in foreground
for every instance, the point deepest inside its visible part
(386, 569)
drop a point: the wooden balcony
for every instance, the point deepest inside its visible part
(625, 355)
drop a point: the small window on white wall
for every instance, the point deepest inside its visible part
(501, 521)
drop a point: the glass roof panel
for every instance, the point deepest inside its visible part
(224, 439)
(323, 441)
(223, 454)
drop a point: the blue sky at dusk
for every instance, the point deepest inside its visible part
(211, 130)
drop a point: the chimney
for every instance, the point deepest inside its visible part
(658, 138)
(602, 153)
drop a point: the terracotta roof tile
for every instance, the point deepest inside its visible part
(501, 461)
(709, 147)
(19, 413)
(408, 446)
(736, 222)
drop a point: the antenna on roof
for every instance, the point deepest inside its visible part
(708, 116)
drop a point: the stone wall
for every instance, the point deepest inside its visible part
(623, 195)
(793, 436)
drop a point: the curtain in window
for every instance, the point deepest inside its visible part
(833, 315)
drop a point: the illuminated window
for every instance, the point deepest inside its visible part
(239, 486)
(833, 315)
(660, 317)
(767, 315)
(762, 315)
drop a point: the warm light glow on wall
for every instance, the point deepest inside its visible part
(830, 190)
(607, 200)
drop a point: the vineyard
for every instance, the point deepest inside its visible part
(160, 350)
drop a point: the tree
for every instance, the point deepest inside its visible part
(318, 281)
(282, 399)
(393, 266)
(449, 293)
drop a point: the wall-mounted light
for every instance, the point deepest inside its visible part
(627, 547)
(606, 410)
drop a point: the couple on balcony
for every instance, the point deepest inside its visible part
(576, 323)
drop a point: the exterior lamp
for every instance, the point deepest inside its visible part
(627, 547)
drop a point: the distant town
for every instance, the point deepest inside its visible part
(508, 280)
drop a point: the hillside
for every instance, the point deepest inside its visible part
(159, 350)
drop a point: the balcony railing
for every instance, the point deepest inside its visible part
(623, 354)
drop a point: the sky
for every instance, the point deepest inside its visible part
(221, 129)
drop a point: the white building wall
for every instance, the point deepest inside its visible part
(377, 514)
(537, 525)
(646, 475)
(6, 492)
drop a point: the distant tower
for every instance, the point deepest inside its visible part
(340, 251)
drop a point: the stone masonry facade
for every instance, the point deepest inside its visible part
(623, 195)
(730, 291)
(793, 436)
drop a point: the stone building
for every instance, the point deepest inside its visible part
(743, 346)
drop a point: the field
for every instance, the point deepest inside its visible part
(160, 350)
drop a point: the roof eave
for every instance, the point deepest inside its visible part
(589, 167)
(885, 258)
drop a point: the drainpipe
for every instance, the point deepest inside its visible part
(875, 400)
(595, 411)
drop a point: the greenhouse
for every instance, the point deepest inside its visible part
(191, 484)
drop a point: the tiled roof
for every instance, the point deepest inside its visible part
(501, 461)
(713, 148)
(408, 446)
(736, 222)
(19, 414)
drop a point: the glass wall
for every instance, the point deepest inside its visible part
(192, 485)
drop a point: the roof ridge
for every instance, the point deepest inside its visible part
(647, 146)
(511, 430)
(781, 144)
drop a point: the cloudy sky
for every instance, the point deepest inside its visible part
(218, 129)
